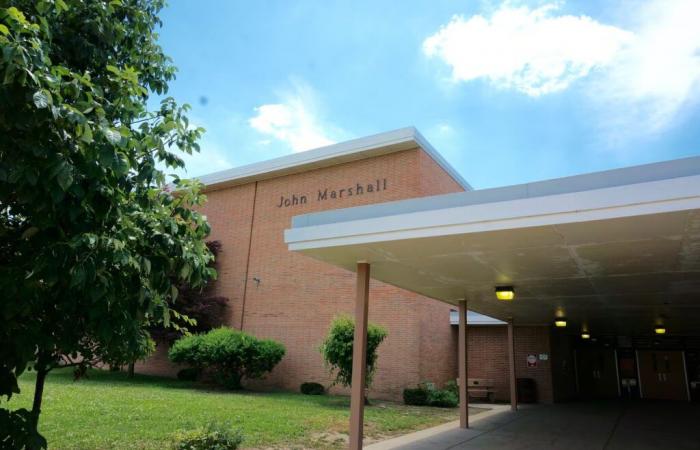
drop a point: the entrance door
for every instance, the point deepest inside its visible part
(597, 373)
(662, 375)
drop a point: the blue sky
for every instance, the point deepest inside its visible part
(508, 92)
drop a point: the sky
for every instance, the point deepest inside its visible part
(508, 92)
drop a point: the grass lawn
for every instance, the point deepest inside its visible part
(108, 410)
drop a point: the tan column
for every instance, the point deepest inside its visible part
(462, 360)
(359, 358)
(511, 362)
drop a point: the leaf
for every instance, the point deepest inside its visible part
(113, 136)
(29, 232)
(61, 6)
(42, 99)
(120, 165)
(87, 134)
(64, 177)
(4, 30)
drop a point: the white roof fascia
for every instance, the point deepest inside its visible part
(676, 194)
(375, 145)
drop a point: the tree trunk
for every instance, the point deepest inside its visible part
(38, 392)
(130, 370)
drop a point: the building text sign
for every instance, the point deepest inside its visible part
(324, 194)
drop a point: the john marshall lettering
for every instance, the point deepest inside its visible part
(330, 194)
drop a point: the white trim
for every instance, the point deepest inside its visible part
(364, 147)
(669, 195)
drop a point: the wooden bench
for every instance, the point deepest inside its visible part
(480, 388)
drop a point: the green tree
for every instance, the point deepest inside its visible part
(231, 355)
(93, 242)
(337, 350)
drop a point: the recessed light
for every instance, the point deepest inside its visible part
(505, 293)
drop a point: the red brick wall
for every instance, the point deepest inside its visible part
(488, 358)
(298, 297)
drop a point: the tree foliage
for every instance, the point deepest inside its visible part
(337, 349)
(93, 243)
(231, 355)
(202, 309)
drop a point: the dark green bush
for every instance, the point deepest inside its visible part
(213, 436)
(443, 398)
(415, 396)
(188, 374)
(312, 389)
(230, 354)
(426, 394)
(452, 387)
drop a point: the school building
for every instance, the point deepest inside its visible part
(604, 270)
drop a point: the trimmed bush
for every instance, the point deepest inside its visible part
(452, 387)
(415, 396)
(443, 398)
(230, 354)
(426, 394)
(213, 436)
(312, 389)
(188, 374)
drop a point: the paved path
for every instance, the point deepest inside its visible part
(585, 426)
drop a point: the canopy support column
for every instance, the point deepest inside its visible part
(359, 358)
(463, 367)
(511, 363)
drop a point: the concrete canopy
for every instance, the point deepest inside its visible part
(616, 252)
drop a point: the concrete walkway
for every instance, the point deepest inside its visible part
(580, 425)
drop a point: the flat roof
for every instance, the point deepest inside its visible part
(343, 152)
(615, 252)
(586, 182)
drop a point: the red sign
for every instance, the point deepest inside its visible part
(532, 360)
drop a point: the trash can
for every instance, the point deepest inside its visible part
(527, 390)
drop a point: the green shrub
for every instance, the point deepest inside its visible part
(188, 374)
(427, 394)
(213, 436)
(452, 387)
(312, 389)
(415, 396)
(230, 354)
(337, 349)
(443, 398)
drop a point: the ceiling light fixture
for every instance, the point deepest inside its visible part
(560, 322)
(585, 335)
(660, 330)
(506, 293)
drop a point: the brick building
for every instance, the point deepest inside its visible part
(275, 293)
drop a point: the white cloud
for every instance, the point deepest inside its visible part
(658, 74)
(638, 79)
(529, 50)
(294, 120)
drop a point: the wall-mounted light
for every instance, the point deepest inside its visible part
(560, 322)
(506, 293)
(659, 329)
(585, 335)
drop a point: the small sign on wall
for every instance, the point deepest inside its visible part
(532, 360)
